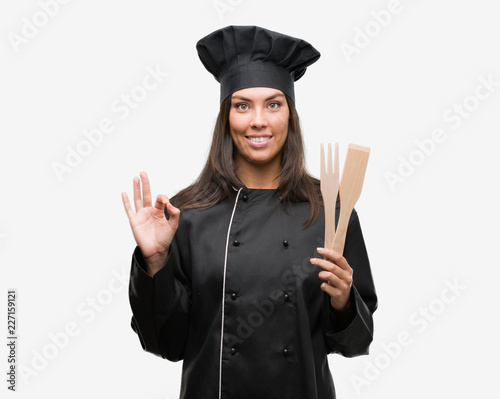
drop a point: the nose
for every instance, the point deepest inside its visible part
(259, 119)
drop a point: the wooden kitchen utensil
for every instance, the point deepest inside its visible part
(349, 190)
(329, 180)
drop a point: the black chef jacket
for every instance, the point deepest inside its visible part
(240, 303)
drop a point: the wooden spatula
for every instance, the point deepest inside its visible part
(351, 183)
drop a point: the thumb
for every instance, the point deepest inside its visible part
(173, 212)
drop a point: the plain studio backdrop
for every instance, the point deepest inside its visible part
(94, 92)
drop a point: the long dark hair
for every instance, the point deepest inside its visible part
(218, 178)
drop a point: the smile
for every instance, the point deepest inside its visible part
(258, 141)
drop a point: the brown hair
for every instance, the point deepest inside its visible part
(218, 177)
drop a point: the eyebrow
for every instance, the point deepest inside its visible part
(267, 99)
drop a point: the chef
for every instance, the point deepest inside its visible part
(229, 275)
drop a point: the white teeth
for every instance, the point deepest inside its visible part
(259, 139)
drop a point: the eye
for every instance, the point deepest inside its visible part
(242, 107)
(274, 105)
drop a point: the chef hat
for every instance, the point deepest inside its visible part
(250, 56)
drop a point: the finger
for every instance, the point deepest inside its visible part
(330, 290)
(333, 268)
(340, 273)
(324, 264)
(126, 204)
(137, 195)
(146, 189)
(338, 299)
(162, 201)
(335, 257)
(341, 282)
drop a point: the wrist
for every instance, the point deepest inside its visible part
(155, 262)
(345, 308)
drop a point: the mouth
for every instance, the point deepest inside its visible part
(259, 141)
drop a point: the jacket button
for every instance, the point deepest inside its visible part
(285, 243)
(286, 351)
(236, 243)
(286, 296)
(233, 350)
(245, 198)
(233, 295)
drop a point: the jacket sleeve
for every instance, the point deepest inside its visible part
(351, 333)
(160, 305)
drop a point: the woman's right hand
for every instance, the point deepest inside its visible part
(152, 231)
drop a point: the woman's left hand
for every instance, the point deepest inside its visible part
(337, 275)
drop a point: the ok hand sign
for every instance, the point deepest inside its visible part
(152, 231)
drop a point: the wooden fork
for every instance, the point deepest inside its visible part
(329, 184)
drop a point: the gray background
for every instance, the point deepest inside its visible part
(65, 242)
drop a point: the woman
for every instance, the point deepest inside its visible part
(230, 279)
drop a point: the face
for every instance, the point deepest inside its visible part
(258, 121)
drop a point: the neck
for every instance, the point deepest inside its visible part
(259, 176)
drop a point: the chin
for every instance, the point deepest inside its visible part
(260, 161)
